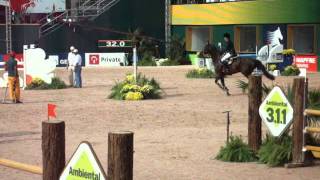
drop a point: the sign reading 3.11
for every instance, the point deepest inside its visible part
(276, 112)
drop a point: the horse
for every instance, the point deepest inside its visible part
(242, 65)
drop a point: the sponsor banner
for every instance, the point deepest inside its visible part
(309, 62)
(247, 12)
(105, 59)
(61, 59)
(4, 3)
(38, 6)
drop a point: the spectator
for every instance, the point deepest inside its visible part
(13, 78)
(71, 57)
(77, 69)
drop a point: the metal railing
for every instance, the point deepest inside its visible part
(88, 10)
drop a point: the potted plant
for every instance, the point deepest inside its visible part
(287, 58)
(272, 67)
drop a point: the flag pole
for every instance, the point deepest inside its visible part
(48, 112)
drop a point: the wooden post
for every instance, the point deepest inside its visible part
(120, 155)
(53, 149)
(298, 119)
(254, 120)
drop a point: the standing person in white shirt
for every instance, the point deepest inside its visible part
(77, 69)
(71, 57)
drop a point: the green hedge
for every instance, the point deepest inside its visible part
(39, 84)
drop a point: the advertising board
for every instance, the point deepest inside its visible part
(105, 59)
(309, 62)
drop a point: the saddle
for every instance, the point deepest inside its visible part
(228, 62)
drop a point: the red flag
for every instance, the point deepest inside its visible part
(52, 110)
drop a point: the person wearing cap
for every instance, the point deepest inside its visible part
(13, 78)
(77, 69)
(71, 57)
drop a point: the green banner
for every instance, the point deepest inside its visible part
(248, 12)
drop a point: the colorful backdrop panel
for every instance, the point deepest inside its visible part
(250, 12)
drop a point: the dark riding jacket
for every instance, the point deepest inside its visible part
(230, 48)
(12, 67)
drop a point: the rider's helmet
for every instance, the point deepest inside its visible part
(72, 48)
(226, 35)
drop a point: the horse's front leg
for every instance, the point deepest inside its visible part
(224, 86)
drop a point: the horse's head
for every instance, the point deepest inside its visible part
(210, 50)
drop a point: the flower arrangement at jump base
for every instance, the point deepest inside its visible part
(200, 73)
(134, 90)
(39, 84)
(272, 67)
(292, 70)
(289, 52)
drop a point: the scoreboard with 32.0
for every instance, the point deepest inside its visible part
(114, 43)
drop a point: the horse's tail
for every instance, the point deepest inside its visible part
(261, 67)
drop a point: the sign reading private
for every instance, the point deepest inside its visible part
(276, 112)
(105, 59)
(83, 165)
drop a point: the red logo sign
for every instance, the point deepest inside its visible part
(94, 59)
(309, 62)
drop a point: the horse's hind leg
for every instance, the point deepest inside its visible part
(217, 83)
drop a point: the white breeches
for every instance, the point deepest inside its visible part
(225, 57)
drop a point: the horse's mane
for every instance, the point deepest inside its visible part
(213, 48)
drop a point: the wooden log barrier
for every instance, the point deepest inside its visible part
(312, 112)
(120, 155)
(53, 149)
(254, 121)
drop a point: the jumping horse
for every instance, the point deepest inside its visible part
(243, 65)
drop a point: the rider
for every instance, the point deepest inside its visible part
(229, 51)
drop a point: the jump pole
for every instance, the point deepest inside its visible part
(25, 48)
(135, 61)
(254, 119)
(21, 166)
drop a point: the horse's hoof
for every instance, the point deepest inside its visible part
(228, 94)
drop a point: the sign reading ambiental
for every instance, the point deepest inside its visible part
(83, 165)
(105, 59)
(276, 112)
